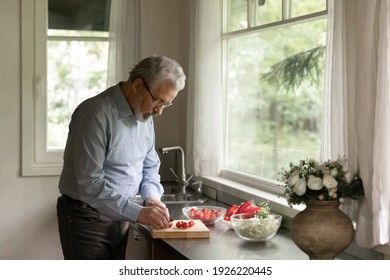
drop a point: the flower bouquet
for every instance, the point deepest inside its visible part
(329, 181)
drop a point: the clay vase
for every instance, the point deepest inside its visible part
(322, 230)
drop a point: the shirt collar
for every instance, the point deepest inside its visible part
(124, 109)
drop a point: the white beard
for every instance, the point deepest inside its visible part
(141, 116)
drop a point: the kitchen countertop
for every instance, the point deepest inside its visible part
(225, 244)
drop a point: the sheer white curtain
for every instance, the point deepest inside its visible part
(339, 137)
(359, 98)
(373, 120)
(335, 113)
(204, 110)
(123, 39)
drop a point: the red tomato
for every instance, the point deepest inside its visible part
(184, 224)
(204, 214)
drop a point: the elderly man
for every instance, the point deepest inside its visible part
(109, 157)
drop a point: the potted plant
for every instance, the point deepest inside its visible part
(321, 230)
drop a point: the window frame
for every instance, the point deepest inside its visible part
(256, 183)
(37, 159)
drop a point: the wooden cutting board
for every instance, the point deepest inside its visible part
(199, 230)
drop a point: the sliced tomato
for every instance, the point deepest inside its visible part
(184, 224)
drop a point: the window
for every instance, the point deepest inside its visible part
(273, 83)
(64, 61)
(77, 56)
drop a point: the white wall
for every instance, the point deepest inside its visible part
(167, 33)
(28, 225)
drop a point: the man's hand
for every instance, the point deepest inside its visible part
(154, 214)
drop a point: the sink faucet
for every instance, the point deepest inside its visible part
(183, 180)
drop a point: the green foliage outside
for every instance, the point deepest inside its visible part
(76, 70)
(274, 96)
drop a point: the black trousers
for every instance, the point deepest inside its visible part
(86, 234)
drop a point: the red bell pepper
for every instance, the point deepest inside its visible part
(253, 209)
(232, 210)
(244, 207)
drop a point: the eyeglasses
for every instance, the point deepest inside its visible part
(157, 102)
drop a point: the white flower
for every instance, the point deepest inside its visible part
(334, 172)
(348, 177)
(325, 182)
(300, 186)
(293, 179)
(314, 183)
(329, 181)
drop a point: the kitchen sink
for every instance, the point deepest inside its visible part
(173, 195)
(176, 198)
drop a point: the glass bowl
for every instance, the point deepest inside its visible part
(207, 214)
(228, 223)
(255, 229)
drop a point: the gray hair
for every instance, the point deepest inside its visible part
(155, 69)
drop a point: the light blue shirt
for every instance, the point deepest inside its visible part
(110, 156)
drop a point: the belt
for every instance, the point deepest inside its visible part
(76, 202)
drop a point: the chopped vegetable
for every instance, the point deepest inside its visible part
(258, 228)
(184, 224)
